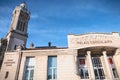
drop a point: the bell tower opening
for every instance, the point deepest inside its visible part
(17, 34)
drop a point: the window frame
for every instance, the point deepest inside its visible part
(29, 69)
(97, 65)
(84, 68)
(53, 77)
(112, 66)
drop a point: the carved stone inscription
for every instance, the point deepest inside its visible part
(94, 42)
(9, 62)
(89, 40)
(93, 39)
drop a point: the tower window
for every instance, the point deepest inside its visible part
(23, 25)
(18, 25)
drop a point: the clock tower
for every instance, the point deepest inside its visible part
(17, 34)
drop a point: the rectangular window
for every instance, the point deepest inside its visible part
(83, 70)
(52, 68)
(29, 68)
(112, 66)
(98, 69)
(23, 26)
(18, 25)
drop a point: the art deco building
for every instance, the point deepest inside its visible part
(91, 56)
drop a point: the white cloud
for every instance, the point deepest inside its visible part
(34, 16)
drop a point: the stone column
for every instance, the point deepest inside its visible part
(76, 68)
(76, 65)
(90, 67)
(109, 74)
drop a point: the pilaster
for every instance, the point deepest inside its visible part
(109, 74)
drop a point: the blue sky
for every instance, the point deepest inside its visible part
(53, 20)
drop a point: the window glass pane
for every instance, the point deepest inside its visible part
(20, 25)
(52, 67)
(29, 68)
(26, 74)
(115, 73)
(83, 70)
(112, 66)
(49, 73)
(55, 74)
(81, 74)
(82, 61)
(30, 61)
(96, 74)
(86, 74)
(31, 74)
(52, 61)
(101, 73)
(98, 69)
(110, 61)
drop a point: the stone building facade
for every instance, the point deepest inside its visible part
(91, 56)
(3, 45)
